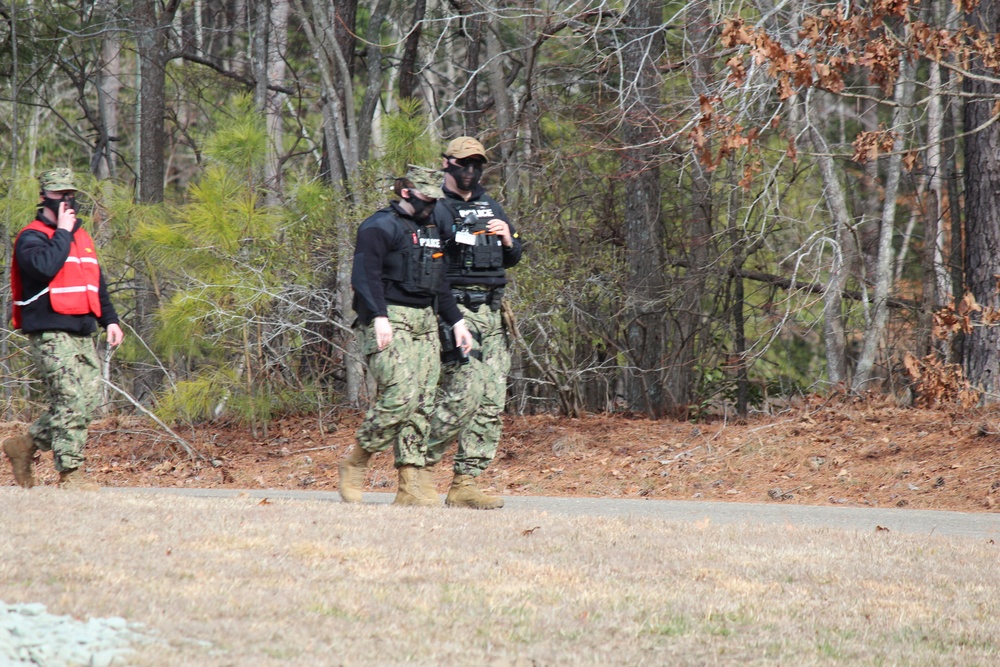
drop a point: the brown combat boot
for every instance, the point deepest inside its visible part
(352, 474)
(409, 492)
(427, 486)
(465, 493)
(20, 449)
(76, 480)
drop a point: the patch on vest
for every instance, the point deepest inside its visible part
(478, 212)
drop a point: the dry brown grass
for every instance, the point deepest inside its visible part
(224, 582)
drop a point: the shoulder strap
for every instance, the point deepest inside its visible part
(452, 206)
(37, 225)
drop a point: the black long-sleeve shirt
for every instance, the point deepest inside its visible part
(380, 234)
(445, 221)
(39, 259)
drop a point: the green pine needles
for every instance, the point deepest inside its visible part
(408, 138)
(223, 284)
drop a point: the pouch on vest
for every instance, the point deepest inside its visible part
(484, 253)
(421, 266)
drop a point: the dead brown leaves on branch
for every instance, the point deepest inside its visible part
(937, 384)
(835, 41)
(730, 137)
(868, 145)
(962, 316)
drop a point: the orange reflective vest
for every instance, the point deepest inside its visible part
(75, 290)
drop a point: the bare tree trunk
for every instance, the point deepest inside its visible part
(408, 82)
(834, 337)
(354, 370)
(151, 46)
(373, 86)
(740, 250)
(151, 40)
(329, 28)
(258, 47)
(199, 28)
(8, 245)
(270, 43)
(277, 45)
(504, 105)
(876, 321)
(982, 215)
(332, 49)
(932, 212)
(683, 337)
(108, 90)
(344, 28)
(950, 254)
(643, 229)
(867, 227)
(954, 216)
(472, 29)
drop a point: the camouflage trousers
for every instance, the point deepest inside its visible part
(472, 397)
(406, 374)
(70, 373)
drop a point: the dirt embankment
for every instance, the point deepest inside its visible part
(858, 454)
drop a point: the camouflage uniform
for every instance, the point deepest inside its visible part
(398, 281)
(70, 373)
(406, 373)
(60, 298)
(472, 397)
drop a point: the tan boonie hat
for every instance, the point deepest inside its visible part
(465, 147)
(55, 180)
(425, 181)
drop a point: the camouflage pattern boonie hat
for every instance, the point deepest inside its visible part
(55, 180)
(425, 181)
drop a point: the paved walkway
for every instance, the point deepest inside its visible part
(926, 522)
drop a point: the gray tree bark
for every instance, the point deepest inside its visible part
(506, 129)
(683, 336)
(331, 39)
(270, 44)
(108, 93)
(408, 82)
(151, 47)
(643, 228)
(982, 215)
(373, 86)
(472, 24)
(834, 337)
(878, 314)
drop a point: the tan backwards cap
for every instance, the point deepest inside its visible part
(464, 147)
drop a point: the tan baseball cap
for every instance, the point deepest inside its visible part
(57, 179)
(425, 181)
(465, 147)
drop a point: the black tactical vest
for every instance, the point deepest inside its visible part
(473, 252)
(419, 267)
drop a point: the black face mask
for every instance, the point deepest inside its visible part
(53, 204)
(421, 209)
(467, 174)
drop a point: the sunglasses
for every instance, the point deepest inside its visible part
(467, 161)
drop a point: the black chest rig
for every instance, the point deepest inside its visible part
(473, 252)
(419, 266)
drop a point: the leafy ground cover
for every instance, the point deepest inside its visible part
(855, 453)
